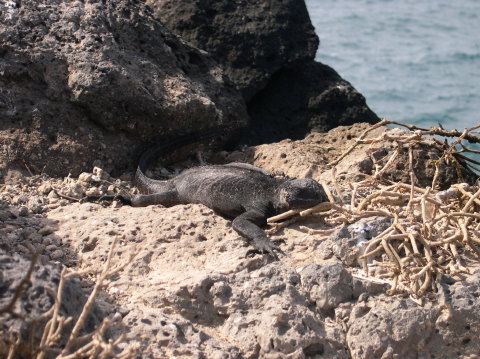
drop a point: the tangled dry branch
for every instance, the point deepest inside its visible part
(432, 233)
(89, 345)
(418, 135)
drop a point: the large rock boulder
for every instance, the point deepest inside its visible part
(85, 81)
(253, 39)
(267, 49)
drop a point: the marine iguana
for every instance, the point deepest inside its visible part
(240, 191)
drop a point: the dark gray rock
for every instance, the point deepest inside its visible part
(252, 39)
(297, 100)
(425, 160)
(36, 299)
(81, 82)
(267, 49)
(328, 285)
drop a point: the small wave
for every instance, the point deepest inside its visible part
(429, 119)
(463, 56)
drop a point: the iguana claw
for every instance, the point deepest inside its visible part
(265, 247)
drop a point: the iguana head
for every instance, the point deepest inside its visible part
(300, 193)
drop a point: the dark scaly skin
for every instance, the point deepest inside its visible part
(240, 191)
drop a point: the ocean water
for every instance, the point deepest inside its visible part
(415, 61)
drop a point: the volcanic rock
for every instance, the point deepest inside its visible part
(85, 81)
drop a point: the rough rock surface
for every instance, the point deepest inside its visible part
(267, 49)
(253, 39)
(389, 328)
(328, 285)
(384, 327)
(91, 82)
(238, 304)
(36, 299)
(84, 81)
(457, 325)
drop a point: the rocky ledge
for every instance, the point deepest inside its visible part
(191, 291)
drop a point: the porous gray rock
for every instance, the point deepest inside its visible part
(175, 337)
(252, 39)
(389, 327)
(91, 81)
(262, 312)
(269, 312)
(328, 285)
(265, 312)
(392, 327)
(203, 300)
(457, 327)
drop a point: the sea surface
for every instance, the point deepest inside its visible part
(415, 61)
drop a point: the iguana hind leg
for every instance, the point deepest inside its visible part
(167, 199)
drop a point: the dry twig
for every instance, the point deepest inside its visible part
(9, 308)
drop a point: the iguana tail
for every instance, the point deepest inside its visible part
(166, 145)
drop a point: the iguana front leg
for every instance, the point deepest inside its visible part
(248, 225)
